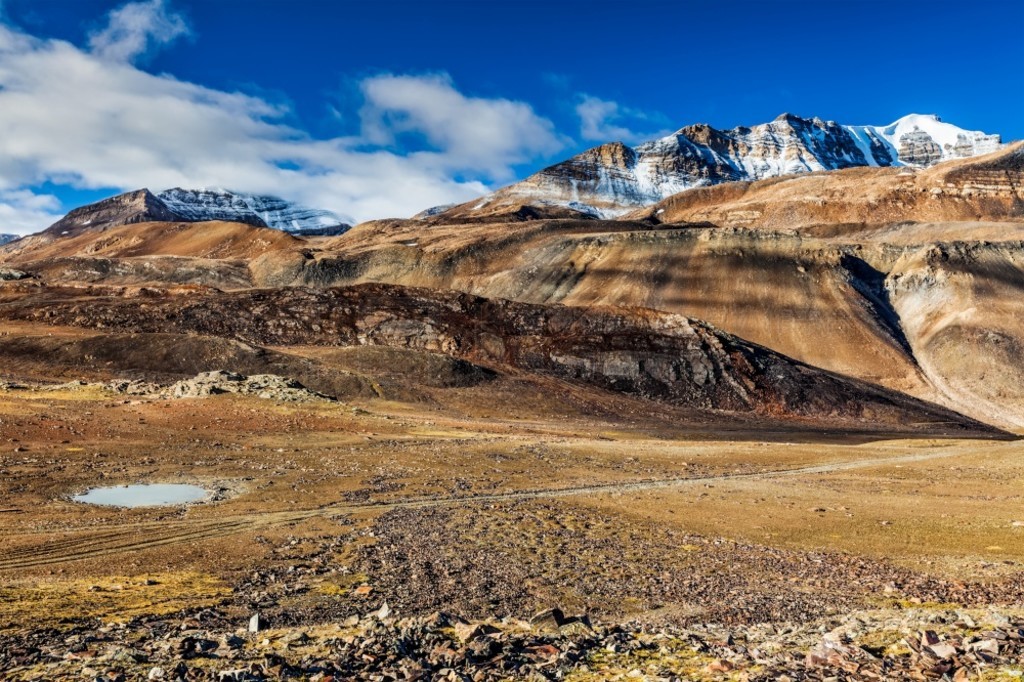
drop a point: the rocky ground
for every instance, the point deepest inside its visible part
(910, 644)
(513, 560)
(407, 597)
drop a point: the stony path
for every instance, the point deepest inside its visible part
(112, 539)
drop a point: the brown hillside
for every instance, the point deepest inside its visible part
(988, 187)
(214, 253)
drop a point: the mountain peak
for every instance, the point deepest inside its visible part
(786, 116)
(137, 206)
(914, 118)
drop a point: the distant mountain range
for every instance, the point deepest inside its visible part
(607, 181)
(197, 205)
(7, 238)
(613, 179)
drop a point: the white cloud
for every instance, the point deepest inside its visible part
(602, 121)
(137, 28)
(74, 117)
(486, 134)
(22, 211)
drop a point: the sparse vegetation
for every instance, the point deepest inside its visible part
(468, 488)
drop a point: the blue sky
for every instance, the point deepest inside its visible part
(383, 108)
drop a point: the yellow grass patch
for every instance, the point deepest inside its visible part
(39, 604)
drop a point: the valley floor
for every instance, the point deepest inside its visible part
(758, 431)
(373, 534)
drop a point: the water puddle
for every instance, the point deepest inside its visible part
(144, 495)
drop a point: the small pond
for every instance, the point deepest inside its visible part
(144, 495)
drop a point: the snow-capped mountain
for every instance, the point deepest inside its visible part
(190, 206)
(216, 204)
(612, 179)
(7, 238)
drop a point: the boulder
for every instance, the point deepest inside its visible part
(257, 623)
(548, 620)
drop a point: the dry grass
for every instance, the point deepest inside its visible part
(943, 515)
(55, 603)
(672, 657)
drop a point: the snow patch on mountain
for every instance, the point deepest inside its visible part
(432, 211)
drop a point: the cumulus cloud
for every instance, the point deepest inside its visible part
(604, 120)
(485, 134)
(86, 119)
(136, 29)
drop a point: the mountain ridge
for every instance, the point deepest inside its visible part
(274, 212)
(612, 179)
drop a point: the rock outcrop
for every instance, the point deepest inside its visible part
(218, 382)
(10, 274)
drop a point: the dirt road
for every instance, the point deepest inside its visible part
(116, 539)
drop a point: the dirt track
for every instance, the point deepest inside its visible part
(111, 540)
